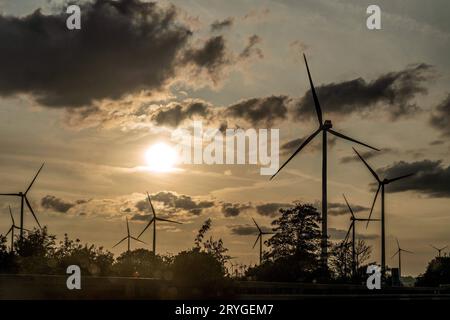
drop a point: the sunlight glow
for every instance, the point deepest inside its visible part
(161, 158)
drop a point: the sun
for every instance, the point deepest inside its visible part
(161, 158)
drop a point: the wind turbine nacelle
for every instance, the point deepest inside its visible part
(327, 124)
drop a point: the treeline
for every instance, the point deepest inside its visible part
(293, 254)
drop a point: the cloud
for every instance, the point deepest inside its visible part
(124, 47)
(57, 204)
(337, 209)
(178, 202)
(251, 50)
(271, 209)
(175, 113)
(441, 117)
(258, 111)
(392, 92)
(219, 25)
(316, 145)
(233, 209)
(339, 234)
(431, 178)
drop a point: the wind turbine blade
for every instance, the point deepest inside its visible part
(398, 243)
(407, 251)
(373, 205)
(138, 240)
(401, 177)
(395, 254)
(444, 248)
(167, 220)
(340, 135)
(256, 241)
(313, 91)
(304, 143)
(32, 212)
(367, 165)
(259, 229)
(10, 213)
(9, 231)
(151, 205)
(349, 208)
(32, 181)
(146, 227)
(9, 194)
(128, 227)
(434, 247)
(348, 232)
(120, 242)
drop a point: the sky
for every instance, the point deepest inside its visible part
(91, 102)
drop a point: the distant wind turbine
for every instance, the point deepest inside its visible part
(23, 198)
(352, 228)
(381, 185)
(153, 220)
(439, 250)
(128, 237)
(11, 230)
(399, 253)
(260, 235)
(324, 127)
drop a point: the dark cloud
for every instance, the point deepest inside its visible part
(233, 209)
(174, 114)
(260, 110)
(366, 155)
(175, 201)
(57, 204)
(212, 56)
(441, 117)
(437, 142)
(431, 178)
(123, 47)
(337, 209)
(271, 209)
(219, 25)
(392, 92)
(339, 234)
(141, 217)
(251, 50)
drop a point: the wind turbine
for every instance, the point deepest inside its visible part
(23, 198)
(11, 230)
(352, 228)
(381, 185)
(128, 237)
(399, 252)
(324, 127)
(260, 235)
(153, 220)
(438, 249)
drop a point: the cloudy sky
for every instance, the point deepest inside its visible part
(91, 102)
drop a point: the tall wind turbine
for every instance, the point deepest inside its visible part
(11, 230)
(153, 220)
(24, 199)
(399, 253)
(439, 250)
(352, 228)
(324, 127)
(260, 236)
(381, 185)
(128, 237)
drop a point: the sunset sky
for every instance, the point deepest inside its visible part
(91, 102)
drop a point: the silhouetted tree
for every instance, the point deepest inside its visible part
(294, 253)
(7, 261)
(341, 261)
(140, 263)
(437, 272)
